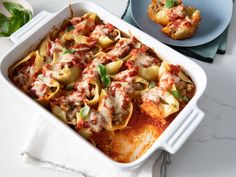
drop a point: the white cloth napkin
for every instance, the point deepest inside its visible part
(48, 146)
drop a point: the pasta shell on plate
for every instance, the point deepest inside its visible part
(160, 13)
(184, 27)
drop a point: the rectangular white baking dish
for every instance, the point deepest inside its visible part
(177, 132)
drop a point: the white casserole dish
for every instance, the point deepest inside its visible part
(27, 38)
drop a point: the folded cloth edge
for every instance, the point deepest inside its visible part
(31, 157)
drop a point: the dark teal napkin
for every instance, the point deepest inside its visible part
(205, 52)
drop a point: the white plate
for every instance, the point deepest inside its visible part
(216, 16)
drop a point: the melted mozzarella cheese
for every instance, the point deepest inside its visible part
(121, 47)
(120, 99)
(96, 121)
(41, 84)
(179, 11)
(108, 102)
(91, 71)
(55, 47)
(65, 58)
(126, 75)
(123, 87)
(100, 31)
(152, 95)
(167, 80)
(39, 87)
(83, 87)
(76, 98)
(144, 60)
(114, 105)
(60, 56)
(21, 78)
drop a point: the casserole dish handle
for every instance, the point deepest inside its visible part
(182, 130)
(35, 23)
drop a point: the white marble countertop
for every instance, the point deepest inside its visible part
(209, 152)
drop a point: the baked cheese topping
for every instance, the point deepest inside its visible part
(103, 84)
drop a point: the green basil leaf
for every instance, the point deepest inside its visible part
(30, 14)
(14, 24)
(69, 51)
(102, 70)
(40, 76)
(2, 18)
(84, 112)
(2, 34)
(185, 98)
(69, 87)
(19, 14)
(27, 15)
(70, 28)
(19, 17)
(103, 75)
(5, 27)
(170, 3)
(152, 84)
(176, 94)
(11, 6)
(106, 81)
